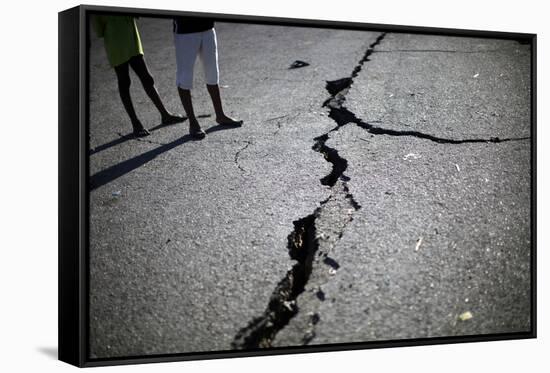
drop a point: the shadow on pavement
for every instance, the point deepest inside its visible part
(114, 172)
(112, 143)
(221, 127)
(109, 174)
(125, 138)
(129, 136)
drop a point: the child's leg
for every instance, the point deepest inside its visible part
(187, 102)
(194, 126)
(123, 78)
(209, 58)
(140, 68)
(187, 47)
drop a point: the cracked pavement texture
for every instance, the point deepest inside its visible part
(475, 249)
(453, 95)
(188, 238)
(190, 247)
(469, 204)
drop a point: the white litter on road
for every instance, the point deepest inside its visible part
(418, 243)
(411, 156)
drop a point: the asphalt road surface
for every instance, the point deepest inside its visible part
(391, 203)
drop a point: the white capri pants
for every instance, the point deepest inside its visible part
(188, 46)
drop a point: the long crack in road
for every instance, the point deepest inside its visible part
(313, 237)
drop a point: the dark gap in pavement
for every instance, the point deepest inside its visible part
(375, 130)
(302, 241)
(343, 116)
(440, 51)
(302, 245)
(331, 262)
(339, 164)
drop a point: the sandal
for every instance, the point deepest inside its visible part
(236, 123)
(196, 132)
(172, 119)
(141, 132)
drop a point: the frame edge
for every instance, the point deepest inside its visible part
(70, 347)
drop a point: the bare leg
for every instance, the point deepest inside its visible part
(141, 70)
(123, 78)
(221, 118)
(194, 127)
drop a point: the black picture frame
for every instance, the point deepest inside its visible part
(73, 75)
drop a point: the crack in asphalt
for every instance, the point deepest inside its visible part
(309, 249)
(261, 331)
(278, 121)
(238, 153)
(315, 235)
(289, 117)
(442, 51)
(343, 115)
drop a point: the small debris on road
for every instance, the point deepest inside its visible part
(297, 64)
(321, 236)
(457, 167)
(476, 75)
(308, 336)
(290, 305)
(418, 243)
(465, 316)
(118, 193)
(411, 156)
(332, 271)
(391, 95)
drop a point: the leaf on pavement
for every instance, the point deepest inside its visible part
(465, 316)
